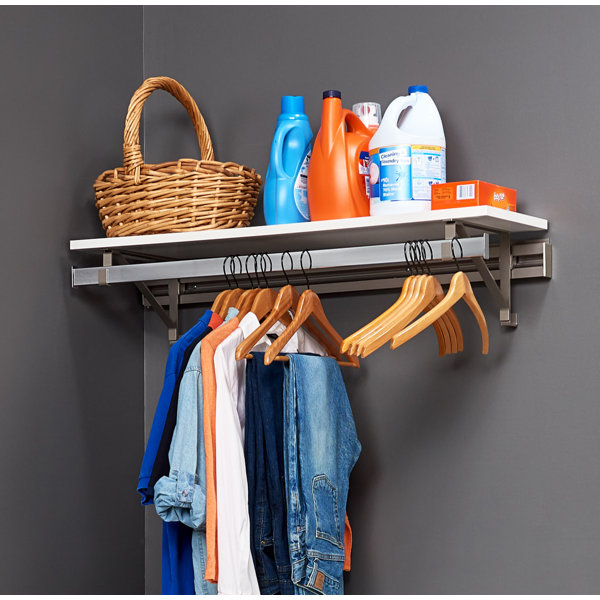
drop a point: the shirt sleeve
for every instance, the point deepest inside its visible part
(178, 496)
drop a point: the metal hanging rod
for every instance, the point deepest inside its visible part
(335, 258)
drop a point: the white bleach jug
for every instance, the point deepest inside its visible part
(407, 155)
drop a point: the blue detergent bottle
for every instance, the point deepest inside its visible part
(285, 199)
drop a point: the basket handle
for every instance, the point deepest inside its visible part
(132, 152)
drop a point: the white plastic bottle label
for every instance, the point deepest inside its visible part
(390, 174)
(363, 171)
(428, 167)
(300, 193)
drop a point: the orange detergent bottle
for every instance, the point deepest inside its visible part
(335, 186)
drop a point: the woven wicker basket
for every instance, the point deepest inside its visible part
(186, 195)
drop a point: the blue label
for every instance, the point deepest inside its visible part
(390, 174)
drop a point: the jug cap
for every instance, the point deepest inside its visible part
(292, 104)
(332, 94)
(418, 88)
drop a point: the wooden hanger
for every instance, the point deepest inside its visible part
(425, 292)
(349, 344)
(460, 287)
(287, 299)
(447, 328)
(425, 298)
(310, 306)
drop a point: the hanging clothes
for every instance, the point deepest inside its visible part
(235, 426)
(209, 386)
(177, 563)
(266, 477)
(181, 496)
(320, 450)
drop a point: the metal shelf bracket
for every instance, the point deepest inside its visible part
(500, 293)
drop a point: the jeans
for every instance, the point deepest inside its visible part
(263, 447)
(320, 450)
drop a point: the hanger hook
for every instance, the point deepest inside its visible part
(248, 271)
(232, 268)
(414, 248)
(406, 260)
(454, 255)
(283, 270)
(225, 272)
(302, 266)
(256, 273)
(424, 255)
(263, 267)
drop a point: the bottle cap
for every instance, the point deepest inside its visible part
(418, 88)
(332, 94)
(292, 104)
(369, 113)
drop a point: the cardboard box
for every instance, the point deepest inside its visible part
(472, 193)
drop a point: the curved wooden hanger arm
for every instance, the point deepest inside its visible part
(283, 303)
(382, 325)
(357, 335)
(263, 302)
(425, 294)
(230, 300)
(459, 287)
(310, 306)
(218, 301)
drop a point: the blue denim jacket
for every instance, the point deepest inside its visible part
(320, 450)
(181, 496)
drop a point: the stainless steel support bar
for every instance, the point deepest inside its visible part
(385, 254)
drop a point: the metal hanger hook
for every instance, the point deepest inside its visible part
(454, 255)
(309, 266)
(283, 270)
(406, 260)
(263, 267)
(414, 248)
(232, 270)
(425, 262)
(225, 272)
(248, 271)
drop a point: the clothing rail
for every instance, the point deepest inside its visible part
(347, 256)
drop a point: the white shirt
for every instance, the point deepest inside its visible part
(235, 565)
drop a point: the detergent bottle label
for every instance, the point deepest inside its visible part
(390, 174)
(363, 171)
(300, 193)
(428, 167)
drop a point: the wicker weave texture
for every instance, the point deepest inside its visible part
(178, 196)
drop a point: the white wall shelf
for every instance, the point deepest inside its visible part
(348, 255)
(316, 235)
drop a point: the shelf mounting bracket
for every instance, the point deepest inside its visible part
(500, 293)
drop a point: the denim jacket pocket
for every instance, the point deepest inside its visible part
(326, 511)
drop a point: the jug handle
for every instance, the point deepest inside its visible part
(277, 148)
(395, 108)
(355, 124)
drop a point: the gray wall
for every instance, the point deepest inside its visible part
(478, 474)
(71, 368)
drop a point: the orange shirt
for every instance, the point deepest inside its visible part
(209, 390)
(347, 544)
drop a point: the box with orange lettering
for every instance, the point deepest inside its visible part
(472, 193)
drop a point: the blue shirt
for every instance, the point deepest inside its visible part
(173, 371)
